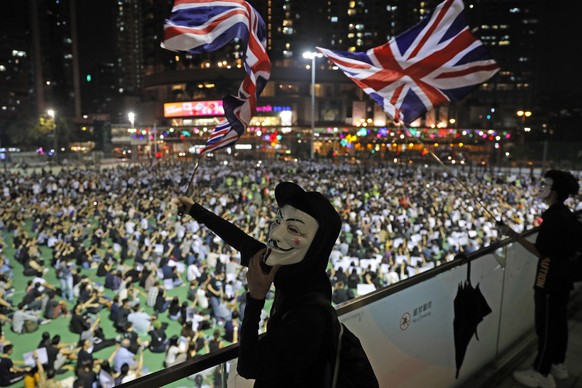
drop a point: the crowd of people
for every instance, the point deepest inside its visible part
(113, 240)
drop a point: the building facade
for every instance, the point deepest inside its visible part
(143, 78)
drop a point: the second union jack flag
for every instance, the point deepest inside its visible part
(436, 61)
(201, 26)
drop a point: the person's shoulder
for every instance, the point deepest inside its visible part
(311, 303)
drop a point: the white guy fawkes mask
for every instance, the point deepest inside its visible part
(290, 236)
(545, 188)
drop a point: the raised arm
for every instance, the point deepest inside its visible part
(112, 356)
(227, 231)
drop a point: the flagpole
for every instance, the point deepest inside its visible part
(423, 144)
(190, 189)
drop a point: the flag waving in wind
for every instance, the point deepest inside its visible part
(201, 26)
(436, 61)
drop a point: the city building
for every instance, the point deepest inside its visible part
(346, 121)
(139, 76)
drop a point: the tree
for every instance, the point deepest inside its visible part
(30, 131)
(21, 131)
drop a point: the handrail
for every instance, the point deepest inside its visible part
(201, 363)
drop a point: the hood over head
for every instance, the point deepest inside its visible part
(309, 275)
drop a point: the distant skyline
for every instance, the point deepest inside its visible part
(559, 76)
(560, 73)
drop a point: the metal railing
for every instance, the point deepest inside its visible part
(220, 357)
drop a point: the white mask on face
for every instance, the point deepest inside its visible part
(290, 236)
(545, 188)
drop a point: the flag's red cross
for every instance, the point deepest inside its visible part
(391, 75)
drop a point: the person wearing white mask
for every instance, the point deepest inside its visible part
(294, 350)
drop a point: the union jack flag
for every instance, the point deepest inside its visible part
(201, 26)
(436, 61)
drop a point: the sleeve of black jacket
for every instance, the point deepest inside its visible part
(231, 234)
(294, 347)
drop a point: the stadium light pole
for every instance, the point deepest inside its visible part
(52, 114)
(312, 55)
(131, 118)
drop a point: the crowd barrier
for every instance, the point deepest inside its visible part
(407, 328)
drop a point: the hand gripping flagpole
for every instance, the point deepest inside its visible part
(448, 170)
(191, 188)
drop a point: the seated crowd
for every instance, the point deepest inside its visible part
(112, 240)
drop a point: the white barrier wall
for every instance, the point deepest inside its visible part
(409, 335)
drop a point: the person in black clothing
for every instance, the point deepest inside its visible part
(85, 356)
(120, 322)
(353, 279)
(204, 276)
(58, 354)
(104, 267)
(231, 328)
(214, 291)
(162, 303)
(133, 337)
(86, 377)
(340, 275)
(114, 308)
(298, 269)
(183, 316)
(174, 309)
(158, 338)
(33, 298)
(555, 242)
(45, 340)
(79, 322)
(341, 294)
(9, 373)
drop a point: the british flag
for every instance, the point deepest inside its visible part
(436, 61)
(201, 26)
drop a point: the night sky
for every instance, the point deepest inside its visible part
(560, 72)
(560, 42)
(96, 33)
(559, 76)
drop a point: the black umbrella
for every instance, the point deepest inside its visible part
(470, 309)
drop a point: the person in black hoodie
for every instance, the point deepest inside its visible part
(555, 242)
(296, 349)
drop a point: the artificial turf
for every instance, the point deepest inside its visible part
(28, 342)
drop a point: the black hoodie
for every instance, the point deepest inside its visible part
(294, 350)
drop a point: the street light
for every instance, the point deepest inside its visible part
(52, 114)
(131, 117)
(132, 130)
(312, 55)
(523, 115)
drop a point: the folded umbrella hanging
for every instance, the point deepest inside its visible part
(470, 308)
